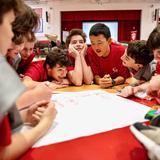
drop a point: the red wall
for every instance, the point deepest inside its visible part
(127, 19)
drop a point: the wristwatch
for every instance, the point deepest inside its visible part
(113, 82)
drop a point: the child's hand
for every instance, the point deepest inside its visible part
(35, 111)
(106, 81)
(48, 115)
(83, 51)
(153, 88)
(72, 51)
(55, 84)
(128, 91)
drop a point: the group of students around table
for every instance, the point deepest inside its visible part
(25, 97)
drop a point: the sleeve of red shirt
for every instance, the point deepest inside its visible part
(72, 61)
(123, 71)
(92, 61)
(34, 71)
(25, 63)
(5, 132)
(158, 68)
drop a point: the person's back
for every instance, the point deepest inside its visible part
(11, 88)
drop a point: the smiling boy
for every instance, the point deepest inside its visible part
(139, 59)
(53, 69)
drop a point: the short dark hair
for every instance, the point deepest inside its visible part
(74, 32)
(140, 52)
(56, 56)
(153, 41)
(7, 5)
(100, 28)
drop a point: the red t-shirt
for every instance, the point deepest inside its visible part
(158, 68)
(36, 71)
(5, 132)
(112, 64)
(72, 60)
(23, 65)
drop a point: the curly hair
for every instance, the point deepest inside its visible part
(140, 52)
(56, 56)
(74, 32)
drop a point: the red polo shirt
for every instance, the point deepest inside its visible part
(23, 65)
(5, 132)
(72, 60)
(158, 68)
(112, 64)
(36, 71)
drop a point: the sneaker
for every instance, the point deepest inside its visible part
(149, 136)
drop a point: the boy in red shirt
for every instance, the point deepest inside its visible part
(104, 57)
(79, 70)
(27, 54)
(23, 28)
(53, 69)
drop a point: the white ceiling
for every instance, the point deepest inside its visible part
(100, 1)
(113, 1)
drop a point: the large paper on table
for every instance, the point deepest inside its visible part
(89, 112)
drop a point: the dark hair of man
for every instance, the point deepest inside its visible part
(26, 22)
(56, 56)
(140, 52)
(100, 28)
(7, 5)
(153, 41)
(75, 32)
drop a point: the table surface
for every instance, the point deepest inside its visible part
(117, 144)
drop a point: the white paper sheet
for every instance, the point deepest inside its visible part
(90, 112)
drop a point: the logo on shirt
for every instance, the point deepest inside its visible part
(115, 70)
